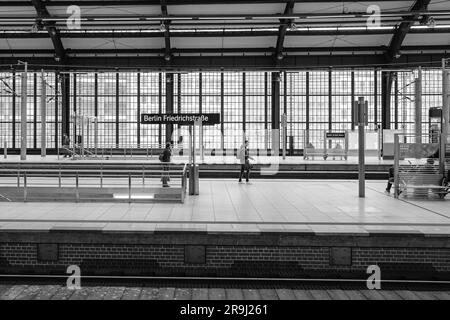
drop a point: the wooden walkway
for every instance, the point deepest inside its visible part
(58, 292)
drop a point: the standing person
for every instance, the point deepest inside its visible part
(244, 158)
(390, 180)
(165, 158)
(66, 145)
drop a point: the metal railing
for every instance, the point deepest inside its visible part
(90, 183)
(117, 151)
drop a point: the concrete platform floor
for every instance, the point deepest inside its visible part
(320, 207)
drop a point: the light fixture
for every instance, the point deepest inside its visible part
(428, 21)
(34, 28)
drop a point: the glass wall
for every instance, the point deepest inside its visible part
(10, 113)
(317, 100)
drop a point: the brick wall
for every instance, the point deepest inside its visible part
(157, 259)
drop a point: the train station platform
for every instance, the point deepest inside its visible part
(282, 228)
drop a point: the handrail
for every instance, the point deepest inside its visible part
(24, 175)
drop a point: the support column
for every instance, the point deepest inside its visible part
(276, 77)
(23, 114)
(307, 109)
(222, 112)
(330, 101)
(43, 115)
(117, 111)
(138, 130)
(35, 108)
(386, 87)
(169, 104)
(375, 98)
(244, 115)
(445, 114)
(353, 97)
(65, 105)
(266, 111)
(418, 107)
(14, 110)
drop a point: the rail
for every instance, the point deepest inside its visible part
(93, 184)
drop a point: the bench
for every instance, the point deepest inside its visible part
(421, 184)
(312, 152)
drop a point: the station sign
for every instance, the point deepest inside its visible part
(335, 135)
(180, 118)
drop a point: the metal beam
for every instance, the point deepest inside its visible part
(247, 62)
(42, 12)
(90, 3)
(404, 28)
(213, 34)
(282, 30)
(212, 51)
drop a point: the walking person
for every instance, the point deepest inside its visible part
(390, 180)
(244, 159)
(165, 157)
(66, 145)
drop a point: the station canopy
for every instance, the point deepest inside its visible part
(224, 33)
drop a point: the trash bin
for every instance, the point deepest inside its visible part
(291, 145)
(193, 180)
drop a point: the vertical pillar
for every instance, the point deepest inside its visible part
(362, 106)
(353, 96)
(96, 112)
(446, 102)
(276, 113)
(418, 106)
(244, 115)
(43, 115)
(200, 109)
(387, 77)
(169, 104)
(35, 103)
(375, 98)
(57, 113)
(178, 94)
(222, 113)
(330, 100)
(445, 114)
(396, 102)
(65, 109)
(14, 110)
(96, 135)
(160, 108)
(266, 111)
(23, 114)
(74, 104)
(117, 111)
(307, 109)
(138, 131)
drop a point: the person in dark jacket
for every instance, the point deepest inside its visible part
(66, 145)
(244, 158)
(166, 157)
(390, 180)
